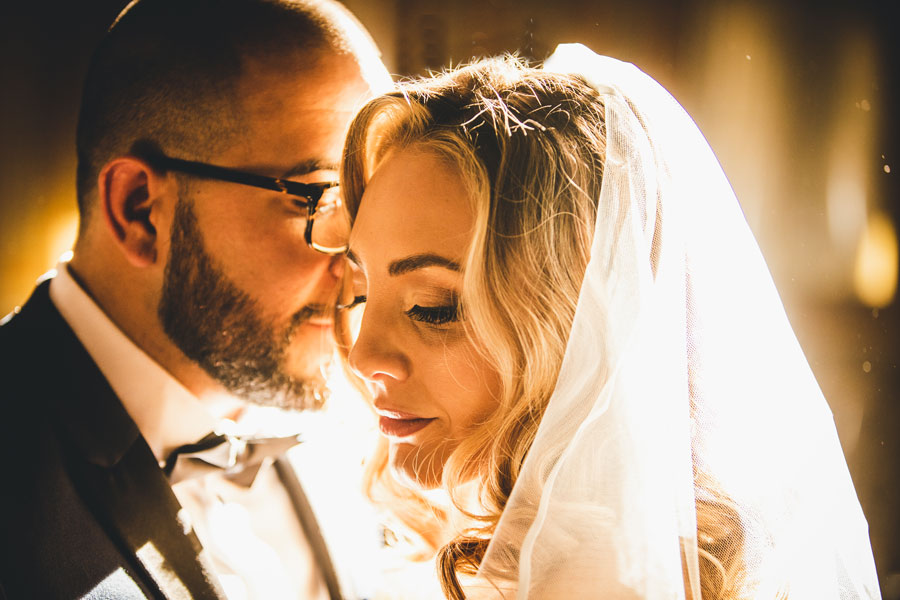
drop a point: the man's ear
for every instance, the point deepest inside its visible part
(131, 196)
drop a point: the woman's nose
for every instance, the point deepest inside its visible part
(376, 356)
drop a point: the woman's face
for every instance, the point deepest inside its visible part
(430, 384)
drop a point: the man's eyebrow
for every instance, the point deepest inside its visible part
(352, 257)
(308, 166)
(420, 261)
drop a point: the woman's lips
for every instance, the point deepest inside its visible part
(401, 425)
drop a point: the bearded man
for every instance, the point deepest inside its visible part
(203, 277)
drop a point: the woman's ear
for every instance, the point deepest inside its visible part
(131, 195)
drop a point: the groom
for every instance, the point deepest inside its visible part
(191, 289)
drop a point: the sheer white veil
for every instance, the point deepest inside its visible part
(681, 364)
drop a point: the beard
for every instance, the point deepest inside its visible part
(221, 328)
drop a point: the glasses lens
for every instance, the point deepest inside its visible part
(331, 223)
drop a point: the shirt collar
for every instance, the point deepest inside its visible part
(165, 412)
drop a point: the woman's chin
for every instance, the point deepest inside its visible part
(413, 468)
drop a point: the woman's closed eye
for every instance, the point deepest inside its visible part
(434, 315)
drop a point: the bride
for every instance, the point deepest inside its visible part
(568, 326)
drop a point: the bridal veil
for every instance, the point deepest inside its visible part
(681, 366)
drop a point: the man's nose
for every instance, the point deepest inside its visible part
(336, 266)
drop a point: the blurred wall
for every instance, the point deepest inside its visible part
(44, 51)
(795, 98)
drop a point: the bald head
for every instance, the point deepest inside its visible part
(169, 73)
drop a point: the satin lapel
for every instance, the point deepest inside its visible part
(310, 525)
(113, 468)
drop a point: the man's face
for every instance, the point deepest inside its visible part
(244, 296)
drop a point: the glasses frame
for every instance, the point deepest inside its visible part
(308, 193)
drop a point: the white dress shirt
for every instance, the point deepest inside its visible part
(252, 535)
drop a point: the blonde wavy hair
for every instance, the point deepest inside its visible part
(530, 147)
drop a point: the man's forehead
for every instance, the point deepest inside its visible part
(324, 81)
(295, 113)
(293, 124)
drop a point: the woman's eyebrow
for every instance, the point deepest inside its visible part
(420, 261)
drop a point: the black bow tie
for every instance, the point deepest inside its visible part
(238, 458)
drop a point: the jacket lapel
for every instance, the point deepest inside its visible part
(115, 471)
(138, 508)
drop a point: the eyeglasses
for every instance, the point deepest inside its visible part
(322, 201)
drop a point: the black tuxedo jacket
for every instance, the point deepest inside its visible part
(85, 510)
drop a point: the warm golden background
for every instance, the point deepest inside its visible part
(798, 99)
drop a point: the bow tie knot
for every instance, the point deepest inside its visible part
(237, 458)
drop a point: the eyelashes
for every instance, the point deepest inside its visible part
(357, 300)
(432, 315)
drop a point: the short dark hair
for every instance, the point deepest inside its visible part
(167, 71)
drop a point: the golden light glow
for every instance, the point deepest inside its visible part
(60, 236)
(35, 239)
(853, 127)
(846, 196)
(875, 272)
(741, 83)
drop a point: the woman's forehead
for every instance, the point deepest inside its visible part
(414, 203)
